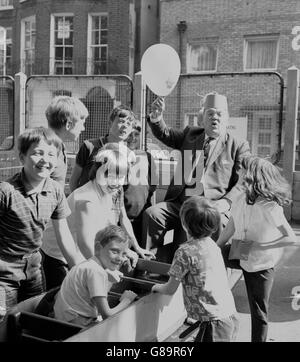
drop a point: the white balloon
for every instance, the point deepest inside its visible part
(160, 67)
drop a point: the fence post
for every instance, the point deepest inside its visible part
(20, 83)
(290, 129)
(139, 104)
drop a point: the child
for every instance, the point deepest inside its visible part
(27, 202)
(66, 117)
(82, 298)
(258, 228)
(199, 266)
(100, 202)
(121, 122)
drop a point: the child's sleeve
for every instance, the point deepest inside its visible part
(3, 199)
(274, 214)
(97, 283)
(179, 265)
(62, 209)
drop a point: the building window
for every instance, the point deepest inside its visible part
(191, 119)
(28, 32)
(61, 92)
(202, 56)
(61, 51)
(5, 51)
(265, 123)
(261, 52)
(97, 44)
(6, 4)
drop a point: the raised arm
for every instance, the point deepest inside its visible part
(169, 136)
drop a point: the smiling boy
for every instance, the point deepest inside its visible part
(28, 201)
(82, 298)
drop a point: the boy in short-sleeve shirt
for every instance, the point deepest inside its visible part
(27, 202)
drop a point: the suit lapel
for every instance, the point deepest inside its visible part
(217, 150)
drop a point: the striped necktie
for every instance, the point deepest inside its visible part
(206, 147)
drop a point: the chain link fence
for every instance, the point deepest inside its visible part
(9, 163)
(255, 103)
(100, 94)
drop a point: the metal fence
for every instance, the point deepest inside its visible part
(6, 112)
(99, 93)
(9, 163)
(255, 103)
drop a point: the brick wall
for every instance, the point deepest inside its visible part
(230, 20)
(118, 30)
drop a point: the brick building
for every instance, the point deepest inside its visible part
(214, 36)
(75, 36)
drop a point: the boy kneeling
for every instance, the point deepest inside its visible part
(82, 298)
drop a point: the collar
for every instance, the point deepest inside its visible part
(29, 190)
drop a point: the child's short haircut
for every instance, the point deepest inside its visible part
(199, 217)
(35, 135)
(112, 160)
(118, 110)
(110, 233)
(64, 108)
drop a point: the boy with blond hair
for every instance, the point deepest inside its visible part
(66, 117)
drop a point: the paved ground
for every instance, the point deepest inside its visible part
(284, 316)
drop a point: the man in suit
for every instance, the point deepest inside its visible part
(208, 166)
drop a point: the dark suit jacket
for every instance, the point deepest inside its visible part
(220, 175)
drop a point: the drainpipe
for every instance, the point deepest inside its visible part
(181, 27)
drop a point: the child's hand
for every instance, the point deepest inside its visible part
(114, 276)
(145, 254)
(133, 257)
(155, 288)
(129, 295)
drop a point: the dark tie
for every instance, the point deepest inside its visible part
(206, 147)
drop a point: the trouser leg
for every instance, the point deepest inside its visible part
(259, 285)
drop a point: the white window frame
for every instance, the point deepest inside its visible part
(30, 19)
(8, 41)
(89, 42)
(195, 43)
(6, 7)
(52, 37)
(187, 117)
(257, 38)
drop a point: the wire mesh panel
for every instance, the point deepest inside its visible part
(255, 103)
(9, 163)
(6, 112)
(100, 94)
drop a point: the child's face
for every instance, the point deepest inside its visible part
(75, 127)
(39, 161)
(113, 254)
(109, 181)
(122, 125)
(133, 140)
